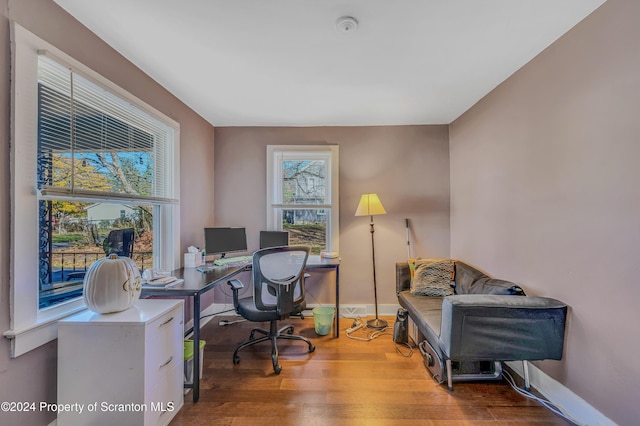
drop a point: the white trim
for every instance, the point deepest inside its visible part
(68, 194)
(29, 338)
(301, 207)
(333, 225)
(30, 326)
(562, 397)
(361, 310)
(346, 311)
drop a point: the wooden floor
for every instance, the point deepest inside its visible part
(344, 382)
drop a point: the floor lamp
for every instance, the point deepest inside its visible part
(370, 205)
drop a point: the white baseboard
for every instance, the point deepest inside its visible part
(562, 397)
(363, 310)
(346, 311)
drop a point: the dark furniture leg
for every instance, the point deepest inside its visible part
(196, 348)
(337, 318)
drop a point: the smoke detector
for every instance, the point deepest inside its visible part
(346, 24)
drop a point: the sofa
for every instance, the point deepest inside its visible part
(466, 335)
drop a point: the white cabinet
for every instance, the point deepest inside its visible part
(124, 368)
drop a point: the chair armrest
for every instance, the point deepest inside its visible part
(504, 328)
(235, 285)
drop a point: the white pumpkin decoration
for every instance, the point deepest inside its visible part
(112, 284)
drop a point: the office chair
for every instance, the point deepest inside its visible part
(278, 289)
(120, 242)
(279, 239)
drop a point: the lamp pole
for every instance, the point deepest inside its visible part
(370, 205)
(376, 323)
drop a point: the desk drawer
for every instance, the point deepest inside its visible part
(165, 396)
(163, 341)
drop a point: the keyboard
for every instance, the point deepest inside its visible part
(206, 268)
(233, 260)
(162, 282)
(219, 263)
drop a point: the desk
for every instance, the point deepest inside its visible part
(197, 283)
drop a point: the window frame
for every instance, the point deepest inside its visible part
(273, 191)
(30, 326)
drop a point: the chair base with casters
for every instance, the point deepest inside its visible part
(247, 309)
(285, 332)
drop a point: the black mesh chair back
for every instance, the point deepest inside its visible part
(278, 291)
(279, 270)
(120, 242)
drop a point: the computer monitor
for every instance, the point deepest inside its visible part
(274, 239)
(224, 240)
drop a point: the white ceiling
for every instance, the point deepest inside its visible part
(283, 63)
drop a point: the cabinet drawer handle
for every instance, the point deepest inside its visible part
(166, 322)
(167, 362)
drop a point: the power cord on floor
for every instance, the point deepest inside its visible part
(545, 402)
(400, 349)
(227, 322)
(358, 324)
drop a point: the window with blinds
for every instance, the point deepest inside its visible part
(88, 158)
(93, 144)
(104, 164)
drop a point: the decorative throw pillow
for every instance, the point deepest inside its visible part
(432, 277)
(412, 268)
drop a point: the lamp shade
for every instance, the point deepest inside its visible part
(370, 205)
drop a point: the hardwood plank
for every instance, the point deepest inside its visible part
(344, 382)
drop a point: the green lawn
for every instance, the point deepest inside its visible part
(67, 238)
(312, 235)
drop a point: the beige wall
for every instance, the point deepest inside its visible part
(32, 377)
(544, 192)
(407, 166)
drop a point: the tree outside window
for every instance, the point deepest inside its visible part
(88, 144)
(303, 192)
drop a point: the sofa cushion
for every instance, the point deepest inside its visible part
(468, 280)
(495, 286)
(432, 277)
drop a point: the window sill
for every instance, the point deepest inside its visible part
(28, 338)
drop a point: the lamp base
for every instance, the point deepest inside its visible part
(377, 323)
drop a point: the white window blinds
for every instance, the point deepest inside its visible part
(96, 145)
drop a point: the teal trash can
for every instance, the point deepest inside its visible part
(323, 319)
